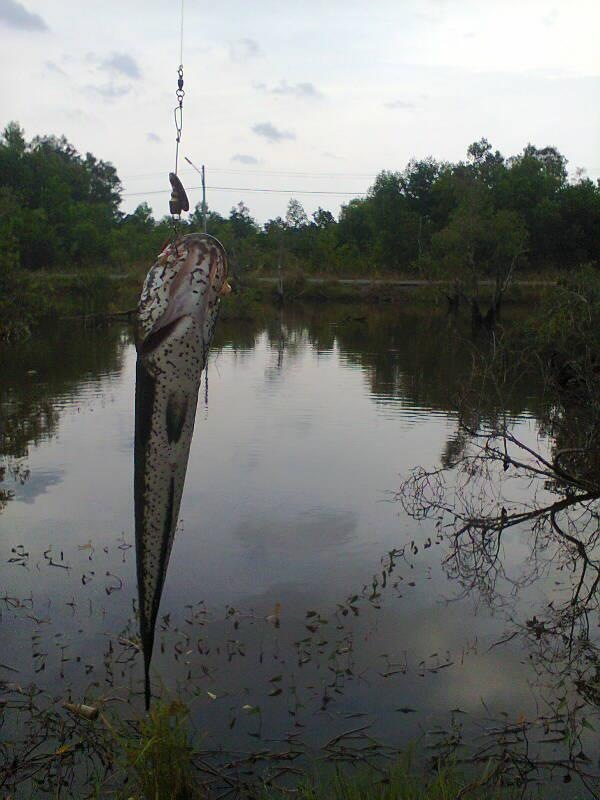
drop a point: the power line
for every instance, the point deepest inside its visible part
(288, 174)
(282, 173)
(247, 189)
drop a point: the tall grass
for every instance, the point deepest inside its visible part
(157, 762)
(157, 759)
(401, 782)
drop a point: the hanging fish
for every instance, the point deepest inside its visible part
(177, 314)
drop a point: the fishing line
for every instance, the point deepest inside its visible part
(180, 94)
(179, 201)
(181, 37)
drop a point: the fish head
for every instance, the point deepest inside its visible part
(181, 295)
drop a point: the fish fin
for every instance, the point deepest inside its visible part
(177, 406)
(157, 336)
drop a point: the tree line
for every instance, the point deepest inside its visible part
(483, 216)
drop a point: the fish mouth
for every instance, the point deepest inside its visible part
(187, 280)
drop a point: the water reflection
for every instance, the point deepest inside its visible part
(382, 622)
(499, 493)
(40, 378)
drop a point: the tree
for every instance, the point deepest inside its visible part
(69, 205)
(355, 231)
(241, 243)
(467, 220)
(487, 165)
(104, 183)
(396, 227)
(322, 219)
(295, 216)
(579, 222)
(242, 223)
(418, 179)
(478, 243)
(13, 137)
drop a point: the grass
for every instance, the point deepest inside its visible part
(30, 298)
(155, 756)
(157, 762)
(400, 782)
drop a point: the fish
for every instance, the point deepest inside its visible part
(176, 319)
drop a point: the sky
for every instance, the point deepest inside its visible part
(306, 99)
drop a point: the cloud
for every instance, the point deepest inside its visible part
(405, 105)
(118, 66)
(16, 15)
(244, 159)
(303, 90)
(268, 131)
(153, 137)
(244, 49)
(77, 115)
(109, 91)
(51, 66)
(121, 64)
(334, 156)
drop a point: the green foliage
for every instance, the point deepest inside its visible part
(63, 212)
(481, 218)
(566, 334)
(400, 782)
(15, 299)
(63, 207)
(246, 303)
(295, 216)
(478, 242)
(158, 759)
(294, 284)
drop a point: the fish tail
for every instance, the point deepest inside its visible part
(147, 688)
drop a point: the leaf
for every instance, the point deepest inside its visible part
(212, 695)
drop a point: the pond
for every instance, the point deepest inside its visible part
(302, 602)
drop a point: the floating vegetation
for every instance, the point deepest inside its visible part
(80, 735)
(479, 648)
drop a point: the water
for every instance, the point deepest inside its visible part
(276, 618)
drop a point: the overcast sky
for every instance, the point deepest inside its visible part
(313, 96)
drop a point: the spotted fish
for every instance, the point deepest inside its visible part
(177, 314)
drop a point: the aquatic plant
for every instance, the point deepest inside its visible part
(157, 759)
(402, 781)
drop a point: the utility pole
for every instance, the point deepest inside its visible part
(279, 276)
(202, 173)
(204, 197)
